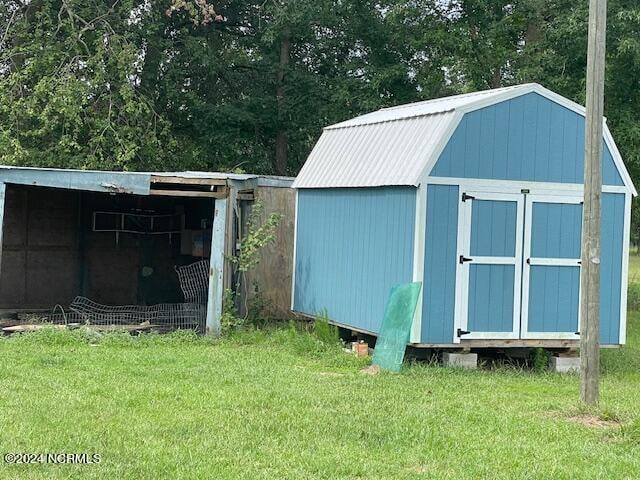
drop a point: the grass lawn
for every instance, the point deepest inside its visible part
(634, 268)
(284, 405)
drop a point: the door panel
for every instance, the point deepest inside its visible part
(551, 272)
(489, 269)
(491, 298)
(554, 294)
(493, 228)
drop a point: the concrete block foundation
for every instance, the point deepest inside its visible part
(565, 364)
(461, 360)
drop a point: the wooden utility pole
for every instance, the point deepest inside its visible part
(590, 277)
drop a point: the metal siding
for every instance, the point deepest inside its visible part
(556, 230)
(554, 299)
(612, 242)
(440, 264)
(491, 298)
(353, 246)
(544, 142)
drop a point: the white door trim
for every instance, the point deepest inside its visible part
(462, 270)
(526, 266)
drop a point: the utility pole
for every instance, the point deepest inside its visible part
(590, 275)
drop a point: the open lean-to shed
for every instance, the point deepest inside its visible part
(479, 196)
(123, 247)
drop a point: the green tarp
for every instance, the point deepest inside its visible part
(396, 326)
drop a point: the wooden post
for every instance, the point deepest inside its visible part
(590, 276)
(216, 268)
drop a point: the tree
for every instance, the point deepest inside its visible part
(67, 91)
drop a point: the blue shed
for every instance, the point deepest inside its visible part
(479, 196)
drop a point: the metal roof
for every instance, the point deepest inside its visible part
(400, 145)
(428, 107)
(138, 183)
(391, 146)
(377, 154)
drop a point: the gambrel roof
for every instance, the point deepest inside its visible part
(400, 145)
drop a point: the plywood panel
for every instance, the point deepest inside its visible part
(274, 272)
(51, 277)
(15, 217)
(12, 281)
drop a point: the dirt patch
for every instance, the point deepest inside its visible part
(371, 370)
(592, 421)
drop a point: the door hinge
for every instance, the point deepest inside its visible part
(466, 197)
(577, 333)
(528, 261)
(464, 259)
(462, 332)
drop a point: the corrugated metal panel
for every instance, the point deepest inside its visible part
(381, 154)
(353, 246)
(126, 182)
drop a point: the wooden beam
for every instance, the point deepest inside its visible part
(222, 193)
(590, 272)
(249, 197)
(188, 181)
(216, 269)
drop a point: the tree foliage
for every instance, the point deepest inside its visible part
(236, 84)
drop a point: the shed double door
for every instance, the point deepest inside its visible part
(518, 266)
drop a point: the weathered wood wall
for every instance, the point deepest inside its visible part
(272, 276)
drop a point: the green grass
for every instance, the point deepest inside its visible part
(634, 267)
(282, 404)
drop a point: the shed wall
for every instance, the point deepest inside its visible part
(441, 254)
(353, 245)
(269, 283)
(438, 302)
(526, 138)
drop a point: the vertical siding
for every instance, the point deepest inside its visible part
(527, 138)
(440, 264)
(491, 298)
(553, 291)
(493, 228)
(554, 299)
(611, 266)
(556, 230)
(353, 245)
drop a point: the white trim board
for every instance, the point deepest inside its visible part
(513, 186)
(419, 244)
(462, 269)
(624, 285)
(295, 252)
(526, 267)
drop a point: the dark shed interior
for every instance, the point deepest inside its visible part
(112, 248)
